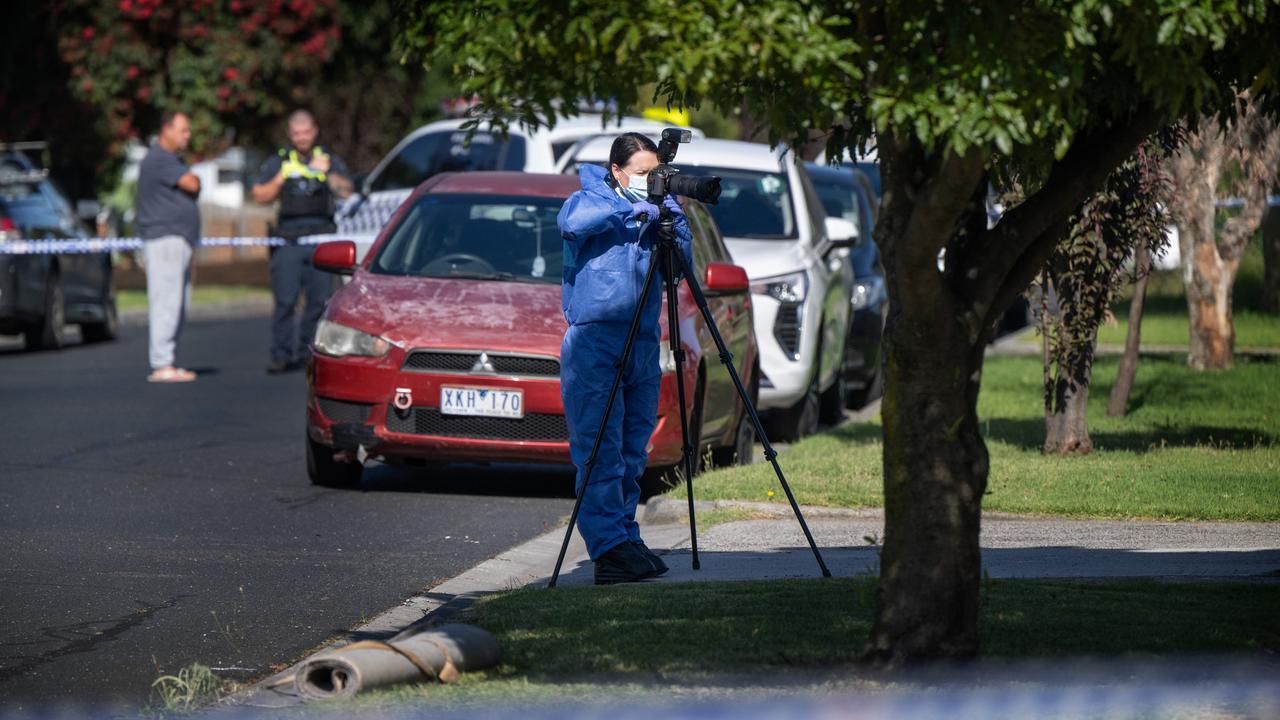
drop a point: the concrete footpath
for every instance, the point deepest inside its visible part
(772, 546)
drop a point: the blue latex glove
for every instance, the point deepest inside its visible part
(644, 207)
(672, 205)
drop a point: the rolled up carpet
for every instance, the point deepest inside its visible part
(438, 655)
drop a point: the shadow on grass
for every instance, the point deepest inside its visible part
(861, 433)
(1028, 434)
(1096, 603)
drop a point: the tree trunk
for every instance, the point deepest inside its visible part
(1209, 280)
(1066, 429)
(1119, 400)
(1206, 277)
(1271, 261)
(935, 461)
(935, 465)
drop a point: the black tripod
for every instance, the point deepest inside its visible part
(668, 257)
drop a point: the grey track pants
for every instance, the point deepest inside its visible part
(168, 264)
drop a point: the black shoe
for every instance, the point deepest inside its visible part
(278, 367)
(624, 563)
(659, 567)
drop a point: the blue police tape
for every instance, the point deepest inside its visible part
(358, 216)
(28, 246)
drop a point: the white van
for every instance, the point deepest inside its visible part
(798, 262)
(443, 147)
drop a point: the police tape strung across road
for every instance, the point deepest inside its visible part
(29, 246)
(360, 217)
(366, 218)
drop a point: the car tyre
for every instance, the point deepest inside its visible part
(799, 420)
(742, 451)
(46, 333)
(831, 409)
(327, 472)
(658, 480)
(109, 328)
(863, 396)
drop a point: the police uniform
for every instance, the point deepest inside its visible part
(306, 208)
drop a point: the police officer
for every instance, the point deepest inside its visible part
(305, 178)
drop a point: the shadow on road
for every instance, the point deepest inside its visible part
(490, 479)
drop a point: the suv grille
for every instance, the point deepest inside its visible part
(343, 411)
(462, 362)
(786, 328)
(429, 421)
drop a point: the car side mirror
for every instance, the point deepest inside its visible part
(337, 256)
(841, 233)
(726, 279)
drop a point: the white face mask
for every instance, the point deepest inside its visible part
(637, 187)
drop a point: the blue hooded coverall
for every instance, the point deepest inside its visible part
(606, 256)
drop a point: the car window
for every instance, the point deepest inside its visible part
(447, 151)
(476, 236)
(753, 204)
(26, 203)
(838, 199)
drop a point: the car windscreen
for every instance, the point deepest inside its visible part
(483, 237)
(753, 204)
(449, 151)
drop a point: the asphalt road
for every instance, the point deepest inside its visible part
(146, 527)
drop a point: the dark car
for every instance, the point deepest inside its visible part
(445, 345)
(849, 193)
(41, 293)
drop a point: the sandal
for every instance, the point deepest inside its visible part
(171, 375)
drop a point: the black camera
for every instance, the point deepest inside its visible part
(664, 179)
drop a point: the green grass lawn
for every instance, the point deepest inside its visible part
(599, 638)
(1164, 317)
(1203, 446)
(200, 295)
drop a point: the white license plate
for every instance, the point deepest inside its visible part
(484, 402)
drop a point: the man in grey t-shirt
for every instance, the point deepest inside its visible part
(169, 222)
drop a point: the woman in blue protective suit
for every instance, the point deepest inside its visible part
(609, 229)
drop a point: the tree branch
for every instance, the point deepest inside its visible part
(1018, 246)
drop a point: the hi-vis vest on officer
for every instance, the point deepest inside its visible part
(305, 193)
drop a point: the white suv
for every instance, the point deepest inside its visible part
(442, 147)
(798, 262)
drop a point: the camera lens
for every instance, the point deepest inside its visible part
(705, 189)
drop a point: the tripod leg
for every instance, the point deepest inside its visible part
(726, 358)
(677, 351)
(604, 421)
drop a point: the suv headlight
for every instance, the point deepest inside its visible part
(792, 288)
(868, 292)
(337, 340)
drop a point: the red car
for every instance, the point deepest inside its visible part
(445, 344)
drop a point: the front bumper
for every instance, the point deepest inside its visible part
(350, 405)
(785, 377)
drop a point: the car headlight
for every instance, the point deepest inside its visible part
(868, 292)
(337, 340)
(790, 288)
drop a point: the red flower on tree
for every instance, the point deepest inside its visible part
(133, 72)
(230, 74)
